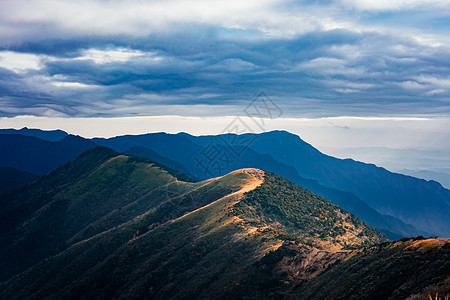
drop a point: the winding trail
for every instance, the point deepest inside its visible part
(255, 179)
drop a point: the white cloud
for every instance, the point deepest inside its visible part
(133, 17)
(19, 62)
(112, 55)
(69, 84)
(412, 85)
(435, 81)
(346, 91)
(435, 92)
(389, 5)
(330, 65)
(233, 65)
(361, 67)
(429, 85)
(352, 85)
(62, 18)
(276, 18)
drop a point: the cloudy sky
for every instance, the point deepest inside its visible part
(323, 60)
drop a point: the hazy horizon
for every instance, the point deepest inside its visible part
(371, 140)
(343, 74)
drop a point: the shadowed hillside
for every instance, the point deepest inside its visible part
(103, 207)
(46, 135)
(187, 150)
(37, 156)
(345, 182)
(112, 226)
(97, 191)
(11, 178)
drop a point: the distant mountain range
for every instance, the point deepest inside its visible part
(396, 159)
(441, 176)
(114, 226)
(37, 156)
(398, 205)
(11, 178)
(46, 135)
(400, 199)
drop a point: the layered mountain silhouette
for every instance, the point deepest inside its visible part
(46, 135)
(398, 205)
(113, 226)
(11, 178)
(152, 155)
(441, 176)
(387, 192)
(37, 156)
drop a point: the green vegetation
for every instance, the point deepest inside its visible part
(96, 192)
(175, 173)
(304, 215)
(153, 251)
(393, 270)
(122, 227)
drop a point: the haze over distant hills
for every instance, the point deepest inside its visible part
(398, 205)
(440, 175)
(429, 164)
(37, 156)
(121, 227)
(397, 159)
(425, 205)
(46, 135)
(231, 150)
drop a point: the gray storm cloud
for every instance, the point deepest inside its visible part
(125, 58)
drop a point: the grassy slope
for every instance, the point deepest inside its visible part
(92, 257)
(182, 252)
(98, 191)
(305, 216)
(130, 230)
(388, 271)
(21, 243)
(410, 269)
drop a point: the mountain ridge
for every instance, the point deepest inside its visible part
(375, 185)
(193, 146)
(122, 227)
(46, 135)
(12, 178)
(400, 215)
(37, 156)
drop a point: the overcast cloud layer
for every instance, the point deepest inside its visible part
(204, 58)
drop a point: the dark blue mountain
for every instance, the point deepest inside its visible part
(152, 155)
(46, 135)
(11, 178)
(209, 156)
(111, 226)
(37, 156)
(424, 204)
(396, 204)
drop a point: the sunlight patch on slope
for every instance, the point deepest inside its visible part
(254, 179)
(428, 244)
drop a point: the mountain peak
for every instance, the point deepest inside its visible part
(257, 173)
(46, 135)
(251, 176)
(124, 222)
